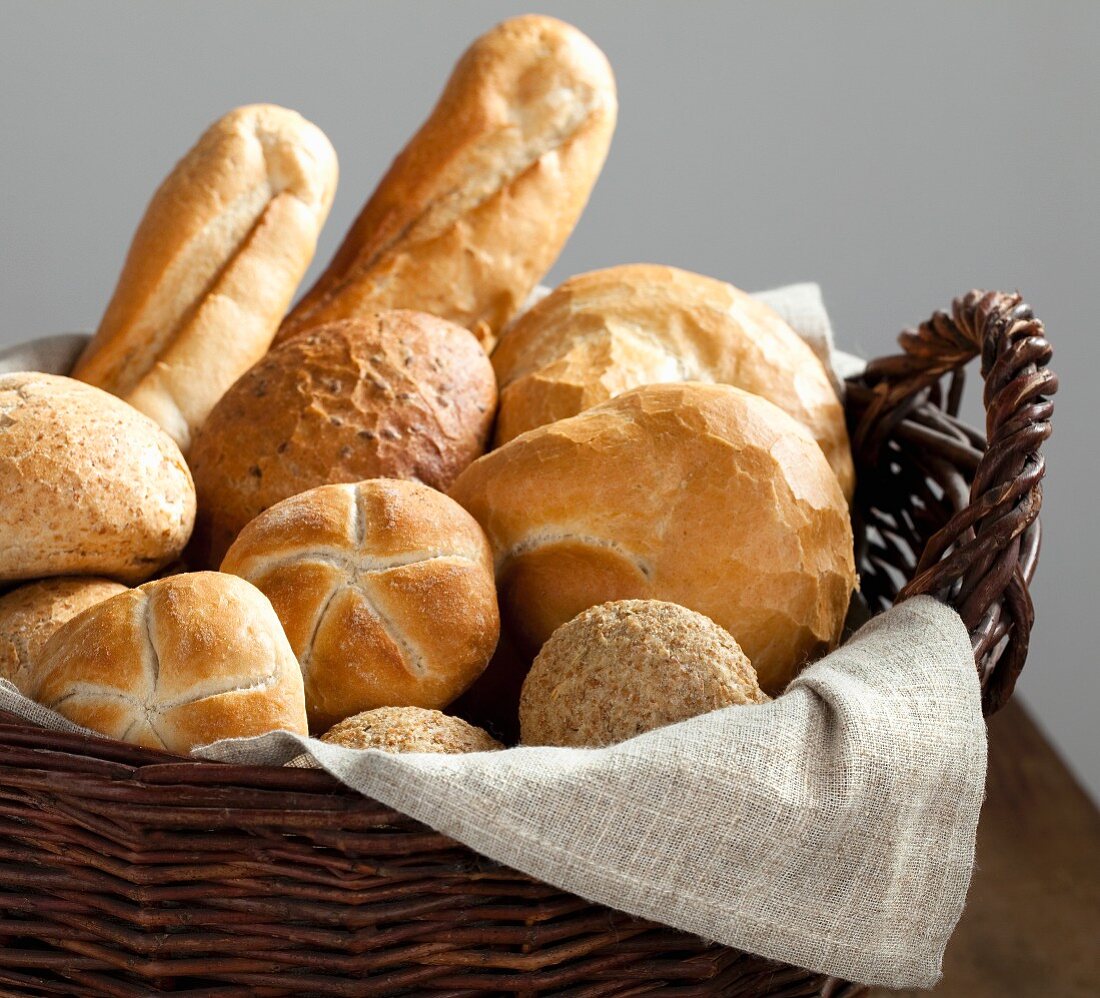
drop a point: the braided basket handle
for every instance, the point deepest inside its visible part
(981, 560)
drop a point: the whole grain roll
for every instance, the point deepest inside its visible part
(410, 729)
(605, 332)
(175, 664)
(396, 395)
(30, 614)
(385, 589)
(702, 495)
(89, 485)
(622, 668)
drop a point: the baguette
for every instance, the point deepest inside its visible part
(477, 207)
(213, 266)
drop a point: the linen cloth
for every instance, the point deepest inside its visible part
(832, 828)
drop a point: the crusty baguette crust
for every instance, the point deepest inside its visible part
(702, 495)
(175, 664)
(477, 207)
(602, 333)
(213, 266)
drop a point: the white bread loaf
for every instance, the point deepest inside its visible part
(175, 664)
(385, 589)
(605, 332)
(476, 208)
(213, 266)
(702, 495)
(88, 485)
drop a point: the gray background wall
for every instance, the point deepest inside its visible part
(897, 154)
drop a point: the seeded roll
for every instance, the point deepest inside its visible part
(410, 729)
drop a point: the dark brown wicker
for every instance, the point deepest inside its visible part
(130, 872)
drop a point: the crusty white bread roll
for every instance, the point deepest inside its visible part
(702, 495)
(602, 333)
(175, 664)
(395, 395)
(88, 485)
(479, 204)
(30, 614)
(385, 589)
(213, 266)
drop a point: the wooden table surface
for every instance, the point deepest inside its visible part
(1032, 921)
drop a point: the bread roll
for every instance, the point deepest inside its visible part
(88, 484)
(395, 395)
(213, 266)
(31, 613)
(602, 333)
(385, 589)
(410, 729)
(622, 668)
(175, 664)
(480, 202)
(702, 495)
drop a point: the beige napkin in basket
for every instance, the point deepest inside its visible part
(832, 828)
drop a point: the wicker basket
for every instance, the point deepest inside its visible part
(127, 872)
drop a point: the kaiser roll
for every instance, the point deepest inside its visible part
(175, 664)
(31, 613)
(622, 668)
(410, 729)
(602, 333)
(394, 395)
(702, 495)
(385, 589)
(89, 485)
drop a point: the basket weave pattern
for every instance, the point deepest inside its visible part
(125, 871)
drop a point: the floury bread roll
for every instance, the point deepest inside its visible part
(214, 266)
(702, 495)
(175, 664)
(603, 333)
(88, 485)
(394, 395)
(385, 589)
(30, 614)
(477, 207)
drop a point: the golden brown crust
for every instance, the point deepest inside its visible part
(88, 485)
(31, 613)
(410, 729)
(477, 207)
(177, 663)
(626, 667)
(213, 266)
(395, 395)
(385, 589)
(605, 332)
(703, 495)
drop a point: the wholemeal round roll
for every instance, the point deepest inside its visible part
(410, 729)
(213, 266)
(385, 589)
(619, 669)
(175, 664)
(396, 395)
(30, 614)
(88, 485)
(603, 333)
(702, 495)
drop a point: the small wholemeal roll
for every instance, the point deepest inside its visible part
(175, 664)
(213, 266)
(410, 729)
(88, 485)
(702, 495)
(394, 395)
(385, 589)
(30, 614)
(477, 207)
(622, 668)
(605, 332)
